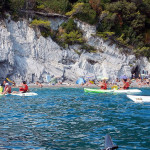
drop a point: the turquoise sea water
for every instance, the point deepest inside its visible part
(69, 119)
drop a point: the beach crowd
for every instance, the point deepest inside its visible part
(122, 83)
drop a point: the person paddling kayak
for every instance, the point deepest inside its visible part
(125, 86)
(23, 88)
(103, 85)
(7, 89)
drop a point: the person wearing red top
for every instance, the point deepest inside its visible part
(103, 85)
(23, 88)
(126, 85)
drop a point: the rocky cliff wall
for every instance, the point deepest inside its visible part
(26, 56)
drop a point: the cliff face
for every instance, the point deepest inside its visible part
(25, 55)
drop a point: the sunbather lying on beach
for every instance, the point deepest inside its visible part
(39, 84)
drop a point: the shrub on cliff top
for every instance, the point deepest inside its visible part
(73, 37)
(69, 25)
(45, 32)
(105, 35)
(43, 25)
(37, 23)
(144, 51)
(40, 6)
(77, 8)
(16, 5)
(70, 34)
(83, 12)
(56, 6)
(123, 18)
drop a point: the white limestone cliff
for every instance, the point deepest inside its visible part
(26, 56)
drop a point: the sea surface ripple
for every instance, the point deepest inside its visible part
(69, 119)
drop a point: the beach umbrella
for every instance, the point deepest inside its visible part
(104, 78)
(99, 77)
(123, 77)
(89, 77)
(80, 81)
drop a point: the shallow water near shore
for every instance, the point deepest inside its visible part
(68, 118)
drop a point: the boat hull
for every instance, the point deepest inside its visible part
(25, 94)
(111, 91)
(139, 99)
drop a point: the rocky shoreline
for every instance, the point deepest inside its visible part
(133, 85)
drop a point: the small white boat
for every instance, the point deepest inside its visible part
(25, 94)
(111, 91)
(139, 99)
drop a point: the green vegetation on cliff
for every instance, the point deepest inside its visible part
(42, 23)
(69, 34)
(127, 22)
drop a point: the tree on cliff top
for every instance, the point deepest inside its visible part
(4, 5)
(129, 20)
(83, 12)
(77, 8)
(56, 6)
(123, 18)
